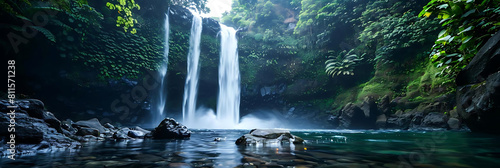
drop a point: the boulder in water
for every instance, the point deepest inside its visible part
(87, 131)
(171, 129)
(268, 136)
(136, 134)
(122, 134)
(92, 123)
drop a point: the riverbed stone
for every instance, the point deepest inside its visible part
(136, 134)
(87, 131)
(268, 136)
(171, 129)
(121, 134)
(109, 126)
(92, 123)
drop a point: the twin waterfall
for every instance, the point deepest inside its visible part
(193, 72)
(228, 103)
(160, 99)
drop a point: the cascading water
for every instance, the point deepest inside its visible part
(228, 103)
(193, 72)
(161, 98)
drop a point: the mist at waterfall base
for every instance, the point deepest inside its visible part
(207, 119)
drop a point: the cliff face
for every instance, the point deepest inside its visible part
(64, 75)
(478, 92)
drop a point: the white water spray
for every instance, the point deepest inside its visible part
(193, 72)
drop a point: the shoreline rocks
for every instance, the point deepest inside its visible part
(372, 115)
(34, 126)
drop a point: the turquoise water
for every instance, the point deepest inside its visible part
(323, 148)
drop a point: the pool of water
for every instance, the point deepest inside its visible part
(323, 148)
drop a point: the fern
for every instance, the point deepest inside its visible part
(23, 18)
(336, 66)
(45, 32)
(61, 24)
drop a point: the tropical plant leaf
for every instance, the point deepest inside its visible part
(45, 32)
(468, 13)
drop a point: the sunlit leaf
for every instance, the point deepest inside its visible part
(466, 30)
(443, 6)
(441, 33)
(427, 14)
(466, 39)
(448, 62)
(468, 13)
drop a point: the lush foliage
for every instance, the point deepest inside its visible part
(16, 7)
(467, 25)
(312, 45)
(392, 33)
(20, 14)
(125, 19)
(343, 64)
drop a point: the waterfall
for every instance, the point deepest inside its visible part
(193, 72)
(159, 102)
(228, 103)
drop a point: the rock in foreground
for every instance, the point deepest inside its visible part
(171, 129)
(31, 124)
(268, 136)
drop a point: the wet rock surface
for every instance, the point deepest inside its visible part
(32, 131)
(170, 129)
(92, 123)
(373, 115)
(36, 129)
(264, 136)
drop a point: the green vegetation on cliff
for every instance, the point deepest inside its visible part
(368, 48)
(327, 53)
(467, 25)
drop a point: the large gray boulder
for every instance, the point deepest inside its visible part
(478, 92)
(263, 136)
(435, 120)
(170, 129)
(361, 117)
(92, 123)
